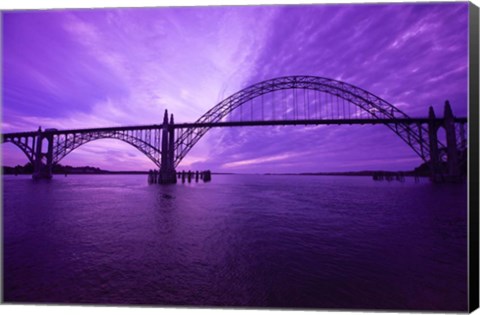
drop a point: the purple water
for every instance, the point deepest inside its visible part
(240, 240)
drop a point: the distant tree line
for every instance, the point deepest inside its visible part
(56, 169)
(422, 170)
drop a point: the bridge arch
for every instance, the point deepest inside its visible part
(65, 144)
(22, 144)
(366, 103)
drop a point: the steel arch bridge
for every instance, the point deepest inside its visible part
(290, 100)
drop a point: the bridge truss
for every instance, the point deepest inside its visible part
(308, 99)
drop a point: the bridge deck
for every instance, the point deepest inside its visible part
(305, 122)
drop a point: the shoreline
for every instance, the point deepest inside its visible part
(406, 174)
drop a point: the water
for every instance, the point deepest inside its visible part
(240, 240)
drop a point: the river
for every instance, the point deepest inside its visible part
(240, 240)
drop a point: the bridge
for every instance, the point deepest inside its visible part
(291, 100)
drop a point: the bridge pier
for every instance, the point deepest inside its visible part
(434, 164)
(452, 152)
(441, 171)
(167, 174)
(43, 161)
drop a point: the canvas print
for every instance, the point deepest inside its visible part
(281, 156)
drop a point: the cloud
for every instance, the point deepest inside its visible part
(113, 67)
(256, 161)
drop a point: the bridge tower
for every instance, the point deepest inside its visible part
(167, 174)
(43, 161)
(452, 152)
(439, 170)
(171, 151)
(435, 167)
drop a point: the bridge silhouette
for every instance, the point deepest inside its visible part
(292, 100)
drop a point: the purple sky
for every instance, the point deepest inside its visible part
(113, 67)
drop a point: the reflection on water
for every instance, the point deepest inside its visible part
(241, 240)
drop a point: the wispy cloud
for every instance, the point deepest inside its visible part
(256, 161)
(112, 67)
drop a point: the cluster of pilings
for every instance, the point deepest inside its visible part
(389, 176)
(154, 176)
(205, 176)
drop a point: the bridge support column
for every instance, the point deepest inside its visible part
(452, 152)
(167, 173)
(435, 167)
(42, 166)
(171, 152)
